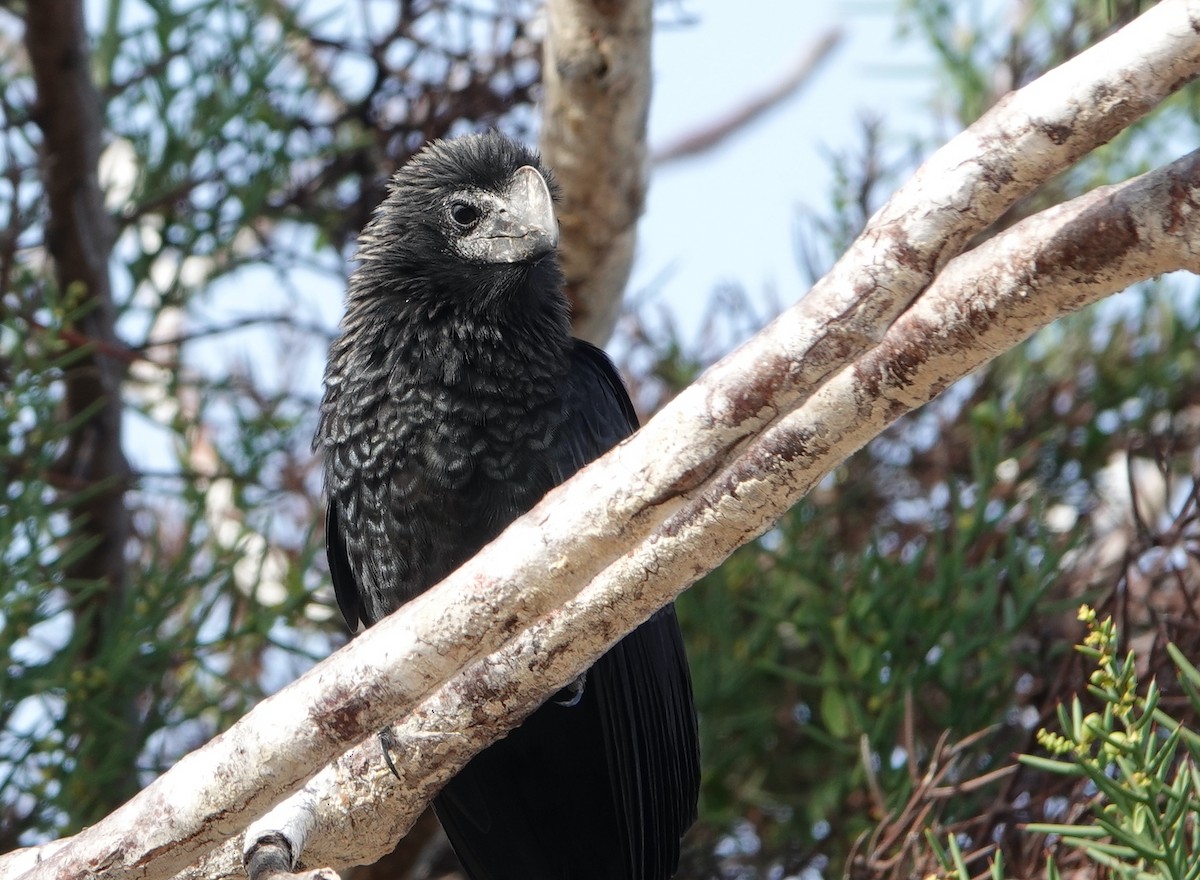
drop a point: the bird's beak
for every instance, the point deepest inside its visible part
(522, 226)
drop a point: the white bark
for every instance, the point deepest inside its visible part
(715, 467)
(596, 96)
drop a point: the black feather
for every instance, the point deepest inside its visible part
(455, 398)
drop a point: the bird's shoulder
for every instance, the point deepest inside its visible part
(598, 411)
(593, 377)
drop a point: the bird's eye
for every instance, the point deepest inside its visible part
(464, 214)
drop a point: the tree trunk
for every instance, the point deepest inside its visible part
(596, 80)
(79, 238)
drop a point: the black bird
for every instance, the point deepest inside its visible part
(455, 398)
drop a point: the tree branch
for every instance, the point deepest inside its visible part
(717, 465)
(596, 81)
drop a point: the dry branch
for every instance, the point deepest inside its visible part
(596, 81)
(713, 469)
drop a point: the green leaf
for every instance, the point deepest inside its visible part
(1185, 667)
(1049, 765)
(836, 713)
(1076, 831)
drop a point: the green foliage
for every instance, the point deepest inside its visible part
(67, 742)
(33, 520)
(1139, 764)
(932, 569)
(953, 862)
(1147, 792)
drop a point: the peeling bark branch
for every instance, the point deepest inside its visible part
(716, 466)
(596, 81)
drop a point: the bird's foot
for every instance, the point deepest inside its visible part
(387, 742)
(572, 693)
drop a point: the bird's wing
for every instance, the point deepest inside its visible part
(642, 686)
(615, 777)
(644, 692)
(600, 414)
(345, 588)
(603, 789)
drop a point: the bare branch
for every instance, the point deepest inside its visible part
(730, 123)
(596, 80)
(714, 468)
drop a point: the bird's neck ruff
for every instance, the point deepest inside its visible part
(493, 339)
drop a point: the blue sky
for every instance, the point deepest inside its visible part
(730, 215)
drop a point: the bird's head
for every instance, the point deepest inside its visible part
(471, 217)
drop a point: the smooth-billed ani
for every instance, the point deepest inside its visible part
(455, 398)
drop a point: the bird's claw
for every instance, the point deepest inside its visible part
(572, 693)
(387, 741)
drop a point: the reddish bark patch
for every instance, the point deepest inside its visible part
(609, 9)
(1091, 243)
(339, 715)
(1058, 134)
(750, 397)
(691, 478)
(906, 255)
(1173, 223)
(999, 174)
